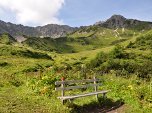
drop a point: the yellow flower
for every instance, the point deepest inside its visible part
(44, 90)
(130, 86)
(150, 105)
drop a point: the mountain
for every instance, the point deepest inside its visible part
(118, 21)
(65, 39)
(50, 30)
(84, 38)
(56, 31)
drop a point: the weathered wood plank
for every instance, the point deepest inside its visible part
(84, 95)
(77, 87)
(62, 93)
(75, 81)
(95, 87)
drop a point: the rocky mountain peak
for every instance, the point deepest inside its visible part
(117, 17)
(119, 21)
(115, 21)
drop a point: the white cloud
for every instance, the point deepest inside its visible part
(35, 12)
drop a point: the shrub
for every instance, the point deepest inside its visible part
(44, 85)
(118, 52)
(16, 83)
(98, 60)
(33, 68)
(143, 41)
(145, 70)
(15, 51)
(131, 45)
(3, 64)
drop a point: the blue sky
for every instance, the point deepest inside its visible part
(72, 12)
(85, 12)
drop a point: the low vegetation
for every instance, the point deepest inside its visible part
(143, 42)
(28, 72)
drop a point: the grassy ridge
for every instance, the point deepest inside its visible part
(6, 39)
(143, 42)
(7, 50)
(87, 38)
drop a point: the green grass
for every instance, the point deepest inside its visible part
(7, 39)
(143, 41)
(132, 91)
(87, 38)
(128, 91)
(27, 75)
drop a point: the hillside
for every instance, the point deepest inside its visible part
(120, 56)
(88, 38)
(143, 42)
(7, 39)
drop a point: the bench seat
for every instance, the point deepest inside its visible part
(83, 95)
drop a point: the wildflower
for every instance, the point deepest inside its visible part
(130, 86)
(44, 90)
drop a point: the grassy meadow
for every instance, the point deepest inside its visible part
(123, 62)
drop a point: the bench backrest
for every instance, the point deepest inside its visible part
(91, 83)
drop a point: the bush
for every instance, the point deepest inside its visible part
(16, 83)
(98, 60)
(145, 70)
(34, 68)
(143, 41)
(44, 85)
(118, 52)
(123, 63)
(16, 51)
(131, 45)
(3, 64)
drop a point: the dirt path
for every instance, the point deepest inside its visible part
(118, 110)
(121, 109)
(100, 109)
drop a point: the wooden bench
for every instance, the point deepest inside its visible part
(88, 83)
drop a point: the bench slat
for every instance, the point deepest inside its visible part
(75, 81)
(83, 95)
(77, 87)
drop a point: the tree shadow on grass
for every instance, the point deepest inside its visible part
(101, 106)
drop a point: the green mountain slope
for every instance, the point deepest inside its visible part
(86, 38)
(5, 38)
(143, 41)
(10, 50)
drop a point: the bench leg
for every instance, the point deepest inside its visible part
(63, 101)
(70, 100)
(104, 95)
(97, 97)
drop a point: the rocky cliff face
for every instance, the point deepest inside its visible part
(50, 30)
(54, 31)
